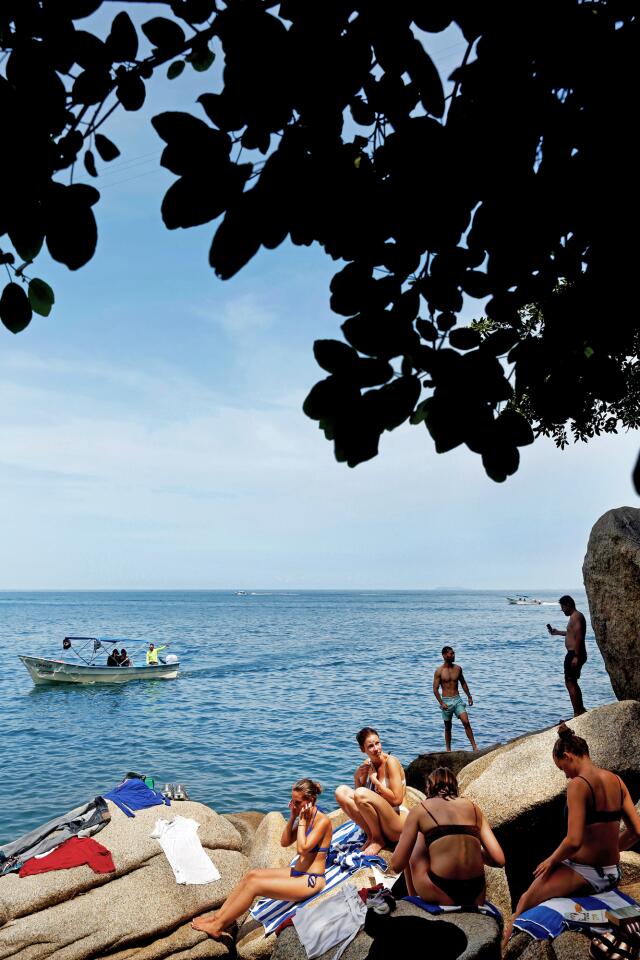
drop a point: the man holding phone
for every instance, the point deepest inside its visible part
(576, 657)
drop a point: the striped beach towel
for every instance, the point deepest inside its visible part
(344, 858)
(547, 920)
(488, 909)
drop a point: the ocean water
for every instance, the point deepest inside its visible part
(273, 686)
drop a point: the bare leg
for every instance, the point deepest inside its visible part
(576, 697)
(382, 820)
(256, 883)
(560, 882)
(467, 729)
(345, 800)
(447, 735)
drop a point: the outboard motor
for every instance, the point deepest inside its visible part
(171, 658)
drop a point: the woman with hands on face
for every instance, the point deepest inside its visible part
(588, 859)
(377, 801)
(310, 830)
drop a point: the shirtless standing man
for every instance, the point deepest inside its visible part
(447, 677)
(576, 651)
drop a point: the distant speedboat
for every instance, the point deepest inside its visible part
(86, 670)
(525, 601)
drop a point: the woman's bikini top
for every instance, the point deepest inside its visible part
(315, 849)
(593, 815)
(451, 829)
(369, 784)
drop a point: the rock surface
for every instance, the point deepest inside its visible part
(522, 792)
(423, 765)
(400, 933)
(138, 912)
(611, 572)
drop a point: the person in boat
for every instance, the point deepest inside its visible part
(113, 660)
(125, 660)
(376, 802)
(587, 861)
(152, 654)
(310, 830)
(447, 677)
(444, 846)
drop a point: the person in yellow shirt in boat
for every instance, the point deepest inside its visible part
(152, 654)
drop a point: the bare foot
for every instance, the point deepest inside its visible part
(372, 848)
(209, 925)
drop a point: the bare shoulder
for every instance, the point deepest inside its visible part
(457, 669)
(438, 671)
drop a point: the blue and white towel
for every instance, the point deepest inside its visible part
(344, 858)
(547, 920)
(488, 909)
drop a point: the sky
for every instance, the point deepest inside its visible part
(152, 437)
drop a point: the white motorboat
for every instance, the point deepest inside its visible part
(86, 670)
(525, 601)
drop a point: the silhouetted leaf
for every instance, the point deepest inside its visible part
(71, 230)
(15, 309)
(131, 91)
(513, 428)
(122, 42)
(201, 58)
(106, 149)
(426, 78)
(397, 400)
(164, 34)
(500, 461)
(41, 297)
(91, 86)
(175, 69)
(464, 338)
(90, 164)
(334, 356)
(193, 11)
(427, 330)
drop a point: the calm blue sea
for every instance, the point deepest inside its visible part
(273, 686)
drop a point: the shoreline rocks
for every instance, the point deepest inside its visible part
(611, 572)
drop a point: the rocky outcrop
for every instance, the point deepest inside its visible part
(522, 792)
(611, 572)
(463, 936)
(420, 768)
(137, 913)
(246, 824)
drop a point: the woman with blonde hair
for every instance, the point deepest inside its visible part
(444, 846)
(312, 836)
(588, 859)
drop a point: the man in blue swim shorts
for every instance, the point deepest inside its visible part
(446, 679)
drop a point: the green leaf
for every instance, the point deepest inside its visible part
(106, 149)
(465, 338)
(175, 69)
(201, 59)
(15, 309)
(41, 297)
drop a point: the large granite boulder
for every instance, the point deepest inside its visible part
(522, 793)
(611, 572)
(137, 913)
(409, 931)
(423, 765)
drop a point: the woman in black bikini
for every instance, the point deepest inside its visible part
(588, 859)
(312, 836)
(445, 843)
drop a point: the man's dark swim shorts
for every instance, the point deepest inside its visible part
(571, 672)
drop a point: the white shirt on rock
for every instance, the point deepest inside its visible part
(181, 844)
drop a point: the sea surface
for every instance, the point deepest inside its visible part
(273, 686)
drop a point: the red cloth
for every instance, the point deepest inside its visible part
(74, 852)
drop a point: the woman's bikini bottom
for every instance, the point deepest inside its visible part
(313, 877)
(464, 891)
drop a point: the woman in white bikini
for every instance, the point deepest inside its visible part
(377, 801)
(312, 836)
(588, 859)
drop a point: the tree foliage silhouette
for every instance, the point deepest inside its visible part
(332, 126)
